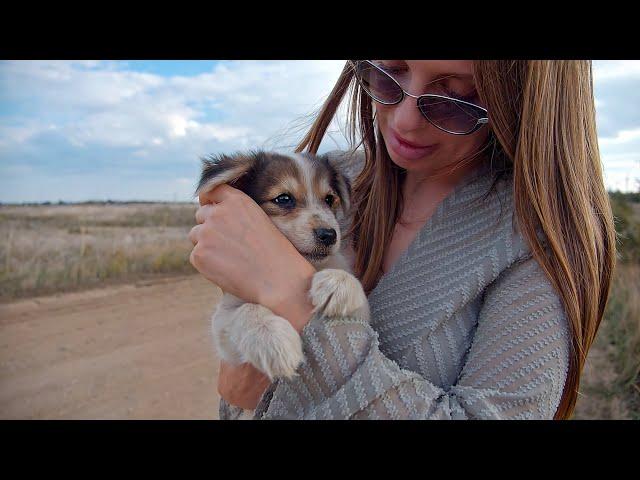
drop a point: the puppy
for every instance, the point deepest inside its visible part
(306, 197)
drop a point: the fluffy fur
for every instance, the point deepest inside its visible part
(305, 196)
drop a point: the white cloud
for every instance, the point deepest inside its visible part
(621, 160)
(624, 181)
(18, 134)
(605, 70)
(70, 85)
(178, 125)
(623, 136)
(105, 105)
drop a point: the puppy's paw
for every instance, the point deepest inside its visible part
(338, 293)
(267, 341)
(222, 344)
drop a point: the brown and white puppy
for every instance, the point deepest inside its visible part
(305, 196)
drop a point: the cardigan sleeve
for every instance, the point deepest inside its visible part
(515, 367)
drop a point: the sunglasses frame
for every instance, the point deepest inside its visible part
(479, 123)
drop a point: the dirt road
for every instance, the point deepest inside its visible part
(139, 351)
(144, 351)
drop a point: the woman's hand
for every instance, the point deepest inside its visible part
(241, 385)
(237, 247)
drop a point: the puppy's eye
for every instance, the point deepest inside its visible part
(329, 199)
(285, 200)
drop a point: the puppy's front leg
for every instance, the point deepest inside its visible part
(338, 293)
(267, 341)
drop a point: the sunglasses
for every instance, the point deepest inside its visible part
(450, 115)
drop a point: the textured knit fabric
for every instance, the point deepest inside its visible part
(464, 326)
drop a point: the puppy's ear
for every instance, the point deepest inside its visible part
(340, 183)
(229, 169)
(343, 189)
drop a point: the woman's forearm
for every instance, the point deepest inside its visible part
(291, 300)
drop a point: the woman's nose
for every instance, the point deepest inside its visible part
(407, 115)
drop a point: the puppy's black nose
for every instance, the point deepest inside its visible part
(326, 235)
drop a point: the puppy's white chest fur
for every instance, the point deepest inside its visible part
(246, 332)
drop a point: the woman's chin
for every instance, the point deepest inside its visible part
(417, 164)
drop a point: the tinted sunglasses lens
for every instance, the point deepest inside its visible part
(452, 116)
(380, 86)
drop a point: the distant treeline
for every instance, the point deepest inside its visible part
(633, 197)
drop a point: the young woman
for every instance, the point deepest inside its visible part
(483, 237)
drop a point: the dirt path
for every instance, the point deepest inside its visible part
(143, 351)
(139, 351)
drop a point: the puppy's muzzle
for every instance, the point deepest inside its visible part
(326, 236)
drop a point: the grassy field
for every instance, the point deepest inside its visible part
(54, 248)
(611, 380)
(610, 386)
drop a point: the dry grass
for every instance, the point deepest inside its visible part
(47, 249)
(611, 380)
(610, 386)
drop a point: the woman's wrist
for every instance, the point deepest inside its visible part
(291, 299)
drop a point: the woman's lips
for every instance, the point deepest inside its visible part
(407, 150)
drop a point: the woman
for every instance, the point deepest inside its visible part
(483, 237)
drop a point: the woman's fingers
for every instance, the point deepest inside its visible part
(193, 234)
(203, 212)
(217, 195)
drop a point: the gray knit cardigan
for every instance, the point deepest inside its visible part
(465, 325)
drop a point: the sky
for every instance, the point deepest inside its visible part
(136, 130)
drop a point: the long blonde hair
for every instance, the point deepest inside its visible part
(542, 127)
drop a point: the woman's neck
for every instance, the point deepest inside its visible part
(422, 192)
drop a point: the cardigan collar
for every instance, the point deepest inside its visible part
(470, 189)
